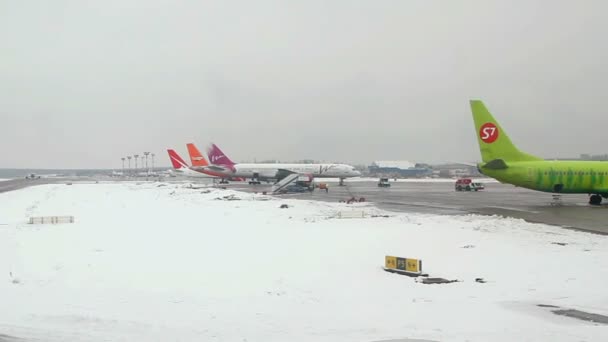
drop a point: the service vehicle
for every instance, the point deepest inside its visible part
(467, 184)
(383, 183)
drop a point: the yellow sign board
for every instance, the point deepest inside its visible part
(390, 262)
(403, 264)
(412, 265)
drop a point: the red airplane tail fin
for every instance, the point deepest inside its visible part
(196, 157)
(176, 160)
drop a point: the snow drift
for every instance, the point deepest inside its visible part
(159, 262)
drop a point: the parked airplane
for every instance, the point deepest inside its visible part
(200, 164)
(196, 157)
(261, 171)
(180, 166)
(504, 162)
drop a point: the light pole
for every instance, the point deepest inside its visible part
(152, 162)
(129, 157)
(123, 165)
(136, 156)
(147, 169)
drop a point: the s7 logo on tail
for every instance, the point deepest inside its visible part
(488, 133)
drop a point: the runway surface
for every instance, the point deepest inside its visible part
(440, 198)
(20, 183)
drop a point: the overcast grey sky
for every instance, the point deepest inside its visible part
(83, 83)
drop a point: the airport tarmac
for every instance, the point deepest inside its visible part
(20, 183)
(440, 198)
(432, 197)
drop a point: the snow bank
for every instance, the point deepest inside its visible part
(144, 262)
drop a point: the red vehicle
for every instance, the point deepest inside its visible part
(467, 184)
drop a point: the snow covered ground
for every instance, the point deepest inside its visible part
(144, 262)
(4, 179)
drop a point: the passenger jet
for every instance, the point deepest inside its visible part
(180, 166)
(262, 171)
(200, 167)
(506, 163)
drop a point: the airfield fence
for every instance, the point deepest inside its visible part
(51, 219)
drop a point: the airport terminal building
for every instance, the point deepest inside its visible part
(399, 169)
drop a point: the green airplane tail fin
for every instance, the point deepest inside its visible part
(494, 143)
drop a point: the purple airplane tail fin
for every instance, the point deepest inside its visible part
(217, 157)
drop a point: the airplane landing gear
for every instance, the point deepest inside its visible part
(595, 199)
(341, 182)
(255, 180)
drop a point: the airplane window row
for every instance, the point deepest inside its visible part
(576, 173)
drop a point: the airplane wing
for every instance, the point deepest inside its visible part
(466, 163)
(496, 164)
(216, 168)
(286, 171)
(282, 173)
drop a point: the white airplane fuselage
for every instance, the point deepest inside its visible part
(271, 170)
